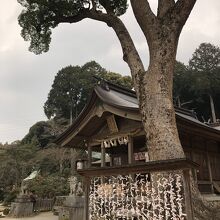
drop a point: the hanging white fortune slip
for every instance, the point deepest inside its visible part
(115, 141)
(125, 197)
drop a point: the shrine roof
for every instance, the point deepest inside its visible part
(124, 99)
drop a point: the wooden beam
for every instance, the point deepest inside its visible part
(86, 198)
(187, 194)
(192, 158)
(210, 172)
(152, 166)
(209, 166)
(102, 155)
(216, 186)
(112, 125)
(137, 131)
(89, 155)
(130, 150)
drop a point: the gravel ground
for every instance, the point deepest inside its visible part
(41, 216)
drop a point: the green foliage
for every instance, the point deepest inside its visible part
(39, 135)
(10, 197)
(206, 58)
(181, 84)
(205, 73)
(43, 133)
(39, 17)
(16, 163)
(118, 7)
(49, 186)
(2, 194)
(72, 87)
(194, 83)
(6, 211)
(205, 67)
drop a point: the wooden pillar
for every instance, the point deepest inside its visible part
(188, 194)
(130, 150)
(210, 172)
(209, 167)
(192, 158)
(89, 155)
(111, 160)
(72, 161)
(102, 155)
(86, 201)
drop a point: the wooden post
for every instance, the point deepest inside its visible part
(210, 172)
(192, 158)
(102, 155)
(86, 201)
(188, 194)
(130, 150)
(111, 160)
(89, 155)
(72, 162)
(209, 167)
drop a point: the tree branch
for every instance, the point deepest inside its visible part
(130, 54)
(72, 19)
(145, 18)
(181, 12)
(164, 6)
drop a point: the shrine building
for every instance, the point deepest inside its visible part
(110, 130)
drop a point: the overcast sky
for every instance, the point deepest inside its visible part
(25, 78)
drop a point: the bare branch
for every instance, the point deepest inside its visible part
(145, 17)
(130, 54)
(164, 6)
(181, 12)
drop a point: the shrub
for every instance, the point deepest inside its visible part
(10, 197)
(49, 186)
(6, 211)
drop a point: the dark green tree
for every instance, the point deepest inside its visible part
(72, 87)
(16, 164)
(206, 58)
(182, 93)
(49, 186)
(205, 73)
(39, 135)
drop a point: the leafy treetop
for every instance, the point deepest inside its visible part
(205, 66)
(206, 58)
(72, 87)
(40, 16)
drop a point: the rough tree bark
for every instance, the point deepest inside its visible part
(155, 95)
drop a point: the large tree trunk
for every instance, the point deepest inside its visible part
(154, 86)
(156, 103)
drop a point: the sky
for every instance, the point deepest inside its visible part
(26, 78)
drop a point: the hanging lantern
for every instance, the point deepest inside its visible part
(81, 164)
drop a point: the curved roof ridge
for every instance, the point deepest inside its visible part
(125, 99)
